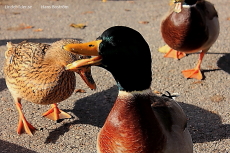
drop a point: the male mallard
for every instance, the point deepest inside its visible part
(139, 120)
(190, 26)
(36, 72)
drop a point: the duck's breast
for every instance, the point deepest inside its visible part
(131, 127)
(185, 31)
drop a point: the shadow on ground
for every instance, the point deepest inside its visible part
(91, 110)
(2, 84)
(224, 63)
(203, 125)
(7, 147)
(39, 40)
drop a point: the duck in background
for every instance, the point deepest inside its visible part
(189, 27)
(36, 72)
(139, 121)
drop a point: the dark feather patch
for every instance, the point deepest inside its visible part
(160, 106)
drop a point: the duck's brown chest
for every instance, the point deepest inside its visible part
(131, 127)
(185, 31)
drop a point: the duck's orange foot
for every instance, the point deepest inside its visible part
(55, 113)
(25, 126)
(171, 53)
(193, 73)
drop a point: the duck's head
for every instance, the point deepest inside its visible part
(122, 51)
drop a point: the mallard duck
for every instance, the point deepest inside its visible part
(190, 26)
(36, 73)
(139, 121)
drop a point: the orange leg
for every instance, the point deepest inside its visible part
(23, 124)
(171, 53)
(195, 73)
(55, 113)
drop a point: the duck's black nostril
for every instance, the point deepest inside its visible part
(91, 45)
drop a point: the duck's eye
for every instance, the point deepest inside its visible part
(91, 45)
(81, 57)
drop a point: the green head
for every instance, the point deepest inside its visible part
(125, 53)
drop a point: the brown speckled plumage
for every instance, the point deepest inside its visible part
(36, 72)
(32, 74)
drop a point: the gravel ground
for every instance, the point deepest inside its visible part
(205, 102)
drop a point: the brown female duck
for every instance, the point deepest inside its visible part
(36, 72)
(190, 26)
(139, 122)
